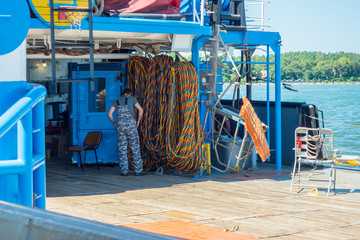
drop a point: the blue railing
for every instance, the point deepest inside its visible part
(22, 177)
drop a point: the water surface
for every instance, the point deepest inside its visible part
(340, 104)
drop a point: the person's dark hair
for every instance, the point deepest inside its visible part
(127, 91)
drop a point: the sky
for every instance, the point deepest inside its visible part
(314, 25)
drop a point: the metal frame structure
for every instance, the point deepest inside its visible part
(111, 32)
(90, 44)
(24, 123)
(245, 40)
(208, 34)
(237, 149)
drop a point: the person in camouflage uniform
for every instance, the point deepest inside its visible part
(127, 130)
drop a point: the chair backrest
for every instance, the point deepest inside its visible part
(327, 143)
(309, 142)
(93, 139)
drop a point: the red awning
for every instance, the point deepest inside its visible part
(142, 6)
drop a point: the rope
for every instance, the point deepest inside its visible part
(185, 146)
(170, 130)
(98, 7)
(345, 124)
(348, 150)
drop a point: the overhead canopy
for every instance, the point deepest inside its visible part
(142, 6)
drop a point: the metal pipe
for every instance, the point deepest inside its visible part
(20, 108)
(242, 144)
(194, 9)
(52, 33)
(248, 62)
(268, 94)
(248, 75)
(262, 16)
(39, 171)
(278, 106)
(12, 167)
(85, 56)
(150, 15)
(25, 152)
(249, 153)
(202, 12)
(91, 40)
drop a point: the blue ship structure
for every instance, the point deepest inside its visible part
(22, 112)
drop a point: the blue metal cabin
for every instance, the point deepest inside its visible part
(193, 32)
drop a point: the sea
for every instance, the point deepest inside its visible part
(339, 102)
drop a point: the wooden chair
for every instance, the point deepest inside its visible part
(91, 142)
(313, 147)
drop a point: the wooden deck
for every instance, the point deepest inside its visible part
(261, 208)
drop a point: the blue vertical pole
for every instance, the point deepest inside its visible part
(278, 106)
(39, 174)
(25, 152)
(268, 95)
(196, 61)
(40, 186)
(195, 58)
(195, 54)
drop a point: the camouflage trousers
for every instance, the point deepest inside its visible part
(127, 133)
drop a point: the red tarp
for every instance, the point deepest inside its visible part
(142, 6)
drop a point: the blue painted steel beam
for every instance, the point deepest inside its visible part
(252, 38)
(137, 25)
(10, 167)
(20, 108)
(40, 185)
(25, 143)
(27, 117)
(278, 106)
(38, 158)
(198, 42)
(239, 62)
(268, 95)
(149, 26)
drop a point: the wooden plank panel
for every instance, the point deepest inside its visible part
(261, 208)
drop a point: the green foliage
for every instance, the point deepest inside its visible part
(306, 67)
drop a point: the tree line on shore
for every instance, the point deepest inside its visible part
(309, 67)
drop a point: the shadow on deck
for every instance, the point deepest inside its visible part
(261, 208)
(107, 180)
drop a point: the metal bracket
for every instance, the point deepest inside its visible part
(160, 171)
(118, 43)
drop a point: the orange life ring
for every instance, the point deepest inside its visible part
(218, 121)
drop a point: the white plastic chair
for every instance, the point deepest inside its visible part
(314, 147)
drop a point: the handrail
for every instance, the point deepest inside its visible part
(27, 160)
(21, 107)
(195, 13)
(18, 222)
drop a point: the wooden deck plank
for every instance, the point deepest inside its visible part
(262, 208)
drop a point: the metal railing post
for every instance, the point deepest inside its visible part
(24, 121)
(202, 13)
(25, 152)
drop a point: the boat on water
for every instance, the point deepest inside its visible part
(93, 58)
